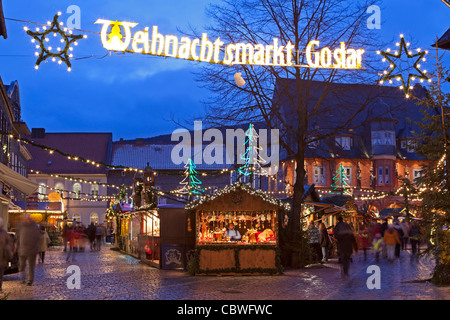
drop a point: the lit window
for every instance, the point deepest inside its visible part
(42, 191)
(94, 190)
(76, 190)
(59, 187)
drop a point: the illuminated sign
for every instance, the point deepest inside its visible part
(117, 36)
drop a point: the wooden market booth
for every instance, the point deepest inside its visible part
(255, 215)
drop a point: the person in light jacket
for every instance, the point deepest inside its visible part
(391, 239)
(28, 247)
(44, 241)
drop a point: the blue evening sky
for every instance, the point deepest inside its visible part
(133, 95)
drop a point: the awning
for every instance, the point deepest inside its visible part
(16, 181)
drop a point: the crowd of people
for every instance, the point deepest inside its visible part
(387, 240)
(32, 241)
(77, 237)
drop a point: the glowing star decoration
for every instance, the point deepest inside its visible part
(62, 53)
(395, 72)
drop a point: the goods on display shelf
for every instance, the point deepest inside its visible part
(253, 227)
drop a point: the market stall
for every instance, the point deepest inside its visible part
(253, 248)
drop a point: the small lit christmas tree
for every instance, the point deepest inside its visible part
(251, 157)
(191, 182)
(340, 181)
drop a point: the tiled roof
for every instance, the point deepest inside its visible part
(91, 146)
(157, 155)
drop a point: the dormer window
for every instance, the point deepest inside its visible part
(343, 142)
(411, 145)
(383, 138)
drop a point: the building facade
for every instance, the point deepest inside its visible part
(81, 186)
(367, 158)
(14, 155)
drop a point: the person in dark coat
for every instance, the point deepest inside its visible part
(28, 247)
(90, 231)
(6, 251)
(346, 242)
(324, 241)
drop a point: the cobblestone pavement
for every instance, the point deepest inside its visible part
(111, 275)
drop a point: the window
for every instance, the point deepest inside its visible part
(380, 175)
(348, 175)
(42, 191)
(403, 144)
(94, 218)
(411, 145)
(417, 173)
(319, 175)
(343, 142)
(386, 175)
(76, 190)
(383, 138)
(76, 217)
(94, 190)
(59, 187)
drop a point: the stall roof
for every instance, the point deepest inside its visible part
(237, 186)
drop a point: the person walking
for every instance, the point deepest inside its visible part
(414, 238)
(324, 241)
(405, 228)
(364, 239)
(99, 233)
(347, 244)
(391, 239)
(6, 251)
(90, 231)
(71, 240)
(64, 230)
(28, 247)
(313, 241)
(44, 241)
(400, 237)
(378, 244)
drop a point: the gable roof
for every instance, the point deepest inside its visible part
(91, 146)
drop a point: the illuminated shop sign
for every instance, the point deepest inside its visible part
(117, 36)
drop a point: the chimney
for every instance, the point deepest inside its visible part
(38, 133)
